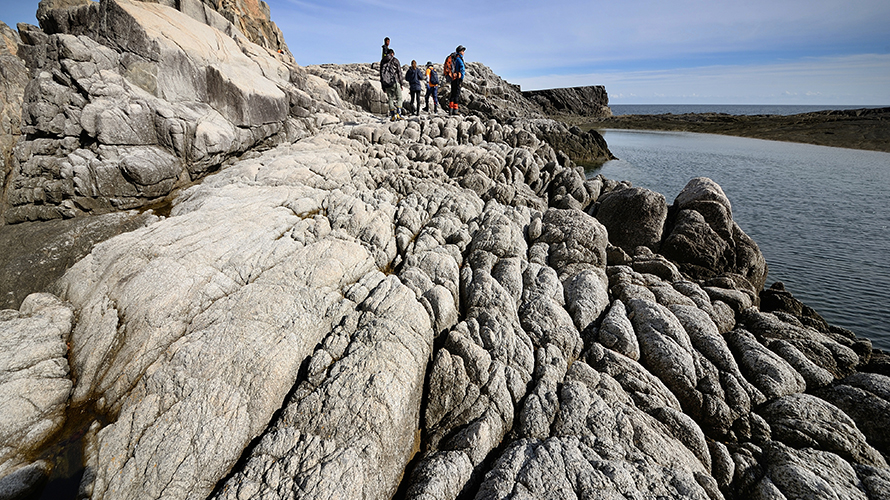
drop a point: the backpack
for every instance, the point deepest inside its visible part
(448, 67)
(387, 75)
(434, 77)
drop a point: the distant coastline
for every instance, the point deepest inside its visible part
(862, 128)
(729, 109)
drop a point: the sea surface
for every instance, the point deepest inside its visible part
(730, 109)
(820, 215)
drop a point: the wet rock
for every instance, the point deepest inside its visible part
(37, 253)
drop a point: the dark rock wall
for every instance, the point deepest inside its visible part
(590, 101)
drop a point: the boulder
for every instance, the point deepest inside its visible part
(801, 420)
(633, 217)
(704, 241)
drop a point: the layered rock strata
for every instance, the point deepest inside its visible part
(435, 308)
(129, 101)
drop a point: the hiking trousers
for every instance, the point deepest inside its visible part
(454, 98)
(415, 101)
(394, 97)
(434, 92)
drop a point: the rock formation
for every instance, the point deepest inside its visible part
(331, 305)
(13, 78)
(589, 102)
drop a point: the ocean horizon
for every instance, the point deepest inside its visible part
(730, 109)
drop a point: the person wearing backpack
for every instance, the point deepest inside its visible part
(457, 71)
(432, 88)
(414, 76)
(390, 80)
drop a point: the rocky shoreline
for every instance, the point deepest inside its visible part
(232, 278)
(867, 128)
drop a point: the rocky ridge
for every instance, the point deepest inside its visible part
(590, 102)
(439, 307)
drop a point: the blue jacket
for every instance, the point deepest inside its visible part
(414, 78)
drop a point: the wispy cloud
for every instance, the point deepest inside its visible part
(858, 79)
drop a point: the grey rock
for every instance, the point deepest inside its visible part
(633, 217)
(575, 239)
(801, 420)
(13, 79)
(864, 397)
(162, 97)
(358, 421)
(807, 473)
(704, 240)
(34, 383)
(823, 351)
(771, 374)
(587, 296)
(589, 101)
(616, 332)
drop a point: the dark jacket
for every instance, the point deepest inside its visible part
(414, 78)
(390, 71)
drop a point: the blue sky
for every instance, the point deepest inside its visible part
(666, 52)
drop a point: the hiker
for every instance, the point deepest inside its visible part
(413, 76)
(385, 47)
(432, 88)
(390, 80)
(458, 72)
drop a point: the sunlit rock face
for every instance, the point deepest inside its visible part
(328, 304)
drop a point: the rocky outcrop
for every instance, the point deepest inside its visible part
(36, 254)
(34, 387)
(589, 102)
(132, 100)
(428, 308)
(13, 78)
(483, 94)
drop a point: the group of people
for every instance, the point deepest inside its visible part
(391, 80)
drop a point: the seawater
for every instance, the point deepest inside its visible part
(730, 109)
(820, 215)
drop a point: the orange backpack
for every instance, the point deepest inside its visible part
(448, 67)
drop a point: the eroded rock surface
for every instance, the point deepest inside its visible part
(34, 387)
(423, 308)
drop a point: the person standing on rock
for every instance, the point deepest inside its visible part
(414, 76)
(385, 47)
(391, 80)
(459, 71)
(432, 88)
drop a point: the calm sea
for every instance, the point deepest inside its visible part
(730, 109)
(820, 215)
